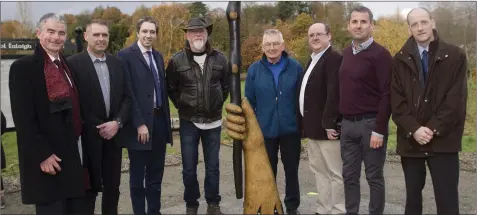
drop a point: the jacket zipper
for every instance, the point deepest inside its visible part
(203, 77)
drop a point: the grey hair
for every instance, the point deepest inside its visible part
(48, 16)
(273, 32)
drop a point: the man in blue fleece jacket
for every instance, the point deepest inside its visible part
(271, 88)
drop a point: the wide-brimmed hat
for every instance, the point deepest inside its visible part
(199, 22)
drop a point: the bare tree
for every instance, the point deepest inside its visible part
(24, 13)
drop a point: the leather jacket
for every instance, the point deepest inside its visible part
(198, 96)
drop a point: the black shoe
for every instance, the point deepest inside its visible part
(192, 210)
(214, 209)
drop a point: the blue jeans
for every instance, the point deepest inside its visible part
(148, 166)
(190, 136)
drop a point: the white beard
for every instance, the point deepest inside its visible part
(198, 44)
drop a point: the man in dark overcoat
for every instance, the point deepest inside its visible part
(46, 114)
(429, 100)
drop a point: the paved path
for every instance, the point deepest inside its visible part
(173, 191)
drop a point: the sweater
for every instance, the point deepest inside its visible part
(365, 84)
(276, 69)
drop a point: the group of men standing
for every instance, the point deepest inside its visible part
(342, 102)
(73, 116)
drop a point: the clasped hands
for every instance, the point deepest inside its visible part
(107, 130)
(423, 135)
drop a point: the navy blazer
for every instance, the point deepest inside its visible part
(141, 84)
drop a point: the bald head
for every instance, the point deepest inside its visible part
(319, 37)
(420, 11)
(421, 25)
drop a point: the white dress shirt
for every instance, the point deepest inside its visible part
(315, 57)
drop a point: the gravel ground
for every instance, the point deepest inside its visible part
(172, 188)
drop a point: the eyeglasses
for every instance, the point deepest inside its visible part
(269, 45)
(316, 35)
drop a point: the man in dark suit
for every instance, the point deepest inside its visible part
(318, 97)
(105, 104)
(150, 127)
(46, 114)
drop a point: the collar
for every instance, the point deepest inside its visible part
(421, 49)
(142, 48)
(316, 56)
(279, 62)
(94, 58)
(52, 58)
(411, 47)
(364, 45)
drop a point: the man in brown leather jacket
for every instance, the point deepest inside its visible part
(428, 98)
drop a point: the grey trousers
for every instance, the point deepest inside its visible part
(355, 149)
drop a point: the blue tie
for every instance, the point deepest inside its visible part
(157, 84)
(425, 64)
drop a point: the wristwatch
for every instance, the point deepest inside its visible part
(118, 120)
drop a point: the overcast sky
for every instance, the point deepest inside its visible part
(9, 9)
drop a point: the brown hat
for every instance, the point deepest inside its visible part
(199, 22)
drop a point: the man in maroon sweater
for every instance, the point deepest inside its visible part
(364, 80)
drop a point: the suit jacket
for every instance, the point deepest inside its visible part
(93, 108)
(321, 97)
(43, 128)
(141, 84)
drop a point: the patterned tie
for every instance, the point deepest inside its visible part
(63, 71)
(425, 64)
(156, 81)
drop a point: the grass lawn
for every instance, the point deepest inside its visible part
(468, 142)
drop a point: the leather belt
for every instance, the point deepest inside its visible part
(359, 117)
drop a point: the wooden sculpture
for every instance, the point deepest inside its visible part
(261, 193)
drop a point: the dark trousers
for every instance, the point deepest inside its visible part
(74, 206)
(290, 149)
(210, 139)
(355, 149)
(148, 165)
(444, 169)
(111, 175)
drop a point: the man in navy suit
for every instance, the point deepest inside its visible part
(150, 129)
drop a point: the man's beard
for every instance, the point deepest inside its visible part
(198, 44)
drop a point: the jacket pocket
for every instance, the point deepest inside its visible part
(186, 75)
(216, 98)
(217, 71)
